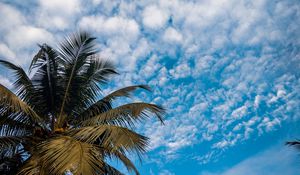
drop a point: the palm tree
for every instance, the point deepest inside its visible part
(56, 120)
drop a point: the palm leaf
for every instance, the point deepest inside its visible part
(74, 51)
(97, 71)
(65, 153)
(47, 81)
(23, 83)
(87, 82)
(115, 136)
(15, 124)
(125, 92)
(126, 114)
(109, 170)
(38, 59)
(9, 141)
(113, 153)
(9, 100)
(104, 104)
(15, 128)
(33, 166)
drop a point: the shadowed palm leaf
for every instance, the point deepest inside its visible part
(11, 102)
(58, 121)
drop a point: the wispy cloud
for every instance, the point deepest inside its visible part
(277, 160)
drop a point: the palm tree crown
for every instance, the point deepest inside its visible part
(55, 120)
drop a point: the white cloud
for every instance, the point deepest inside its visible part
(172, 35)
(5, 52)
(239, 112)
(268, 124)
(128, 27)
(163, 76)
(154, 18)
(142, 49)
(181, 71)
(18, 36)
(66, 7)
(113, 26)
(151, 67)
(27, 37)
(181, 139)
(11, 17)
(121, 36)
(57, 14)
(257, 101)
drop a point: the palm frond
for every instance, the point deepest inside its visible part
(74, 51)
(126, 114)
(104, 104)
(33, 166)
(16, 120)
(48, 82)
(109, 135)
(39, 59)
(15, 124)
(67, 154)
(9, 100)
(125, 92)
(95, 73)
(23, 83)
(15, 130)
(113, 153)
(9, 141)
(109, 170)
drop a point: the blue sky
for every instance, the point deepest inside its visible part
(227, 72)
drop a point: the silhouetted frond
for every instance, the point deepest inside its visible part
(22, 83)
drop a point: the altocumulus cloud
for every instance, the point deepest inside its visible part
(227, 71)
